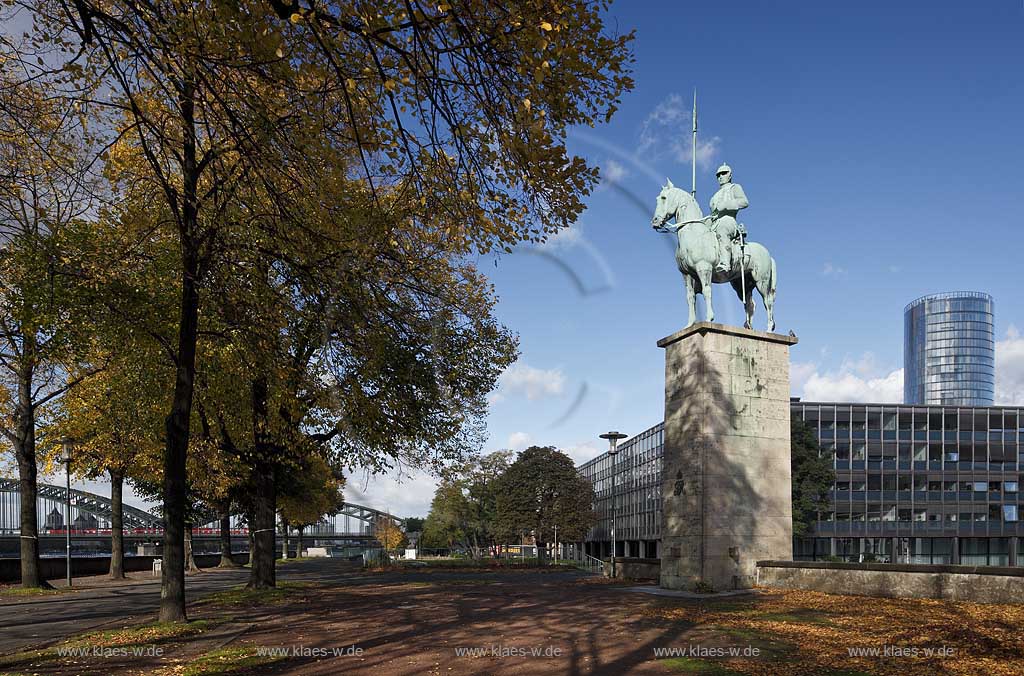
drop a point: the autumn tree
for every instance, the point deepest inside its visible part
(457, 112)
(46, 188)
(388, 533)
(540, 491)
(480, 484)
(445, 525)
(310, 493)
(113, 420)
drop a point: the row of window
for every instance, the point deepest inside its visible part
(1003, 513)
(957, 310)
(905, 482)
(957, 334)
(990, 551)
(940, 323)
(949, 344)
(921, 419)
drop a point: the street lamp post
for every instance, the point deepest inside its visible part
(66, 459)
(613, 449)
(556, 545)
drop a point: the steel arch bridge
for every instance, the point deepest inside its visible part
(89, 511)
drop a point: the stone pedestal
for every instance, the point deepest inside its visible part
(726, 467)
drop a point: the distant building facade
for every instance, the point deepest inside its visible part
(85, 521)
(914, 484)
(54, 520)
(637, 468)
(949, 350)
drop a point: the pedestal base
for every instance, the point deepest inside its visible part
(726, 469)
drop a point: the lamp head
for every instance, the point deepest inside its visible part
(613, 441)
(66, 443)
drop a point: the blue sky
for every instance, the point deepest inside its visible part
(880, 145)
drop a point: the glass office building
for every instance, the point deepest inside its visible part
(948, 350)
(637, 469)
(914, 484)
(919, 484)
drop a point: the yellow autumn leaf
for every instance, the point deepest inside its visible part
(544, 25)
(295, 18)
(389, 84)
(280, 52)
(526, 103)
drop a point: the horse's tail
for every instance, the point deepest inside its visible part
(772, 279)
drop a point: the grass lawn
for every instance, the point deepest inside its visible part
(18, 592)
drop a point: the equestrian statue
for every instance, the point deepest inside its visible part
(713, 249)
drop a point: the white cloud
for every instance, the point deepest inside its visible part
(832, 386)
(613, 172)
(521, 378)
(400, 492)
(566, 238)
(830, 270)
(518, 441)
(707, 150)
(865, 380)
(1010, 369)
(856, 380)
(667, 130)
(800, 373)
(582, 452)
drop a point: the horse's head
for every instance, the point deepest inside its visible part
(670, 201)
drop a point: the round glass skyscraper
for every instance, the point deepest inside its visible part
(948, 350)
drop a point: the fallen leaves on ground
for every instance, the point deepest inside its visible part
(826, 632)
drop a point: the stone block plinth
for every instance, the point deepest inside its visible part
(726, 468)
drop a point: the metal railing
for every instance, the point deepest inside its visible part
(575, 556)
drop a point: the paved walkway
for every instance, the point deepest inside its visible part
(97, 601)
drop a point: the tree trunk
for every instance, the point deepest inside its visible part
(284, 538)
(250, 519)
(190, 559)
(25, 451)
(298, 549)
(172, 581)
(225, 543)
(116, 525)
(540, 552)
(262, 573)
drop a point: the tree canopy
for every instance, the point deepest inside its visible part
(540, 491)
(320, 178)
(813, 477)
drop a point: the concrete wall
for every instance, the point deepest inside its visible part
(981, 584)
(55, 569)
(726, 500)
(648, 570)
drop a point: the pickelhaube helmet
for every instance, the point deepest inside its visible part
(725, 168)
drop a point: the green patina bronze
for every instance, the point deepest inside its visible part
(711, 250)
